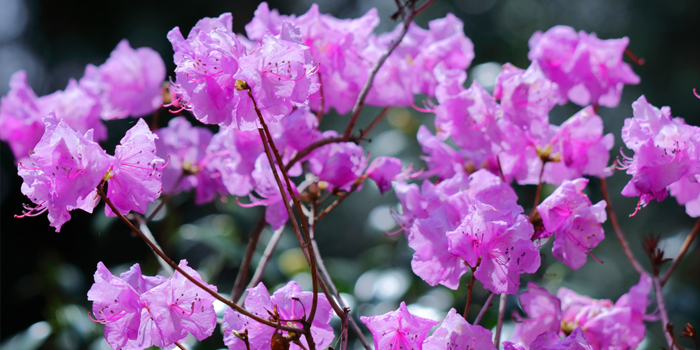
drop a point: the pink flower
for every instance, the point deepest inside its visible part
(175, 308)
(277, 72)
(586, 69)
(234, 325)
(398, 329)
(290, 304)
(568, 213)
(136, 172)
(687, 193)
(608, 326)
(20, 117)
(129, 83)
(432, 260)
(526, 96)
(340, 164)
(336, 44)
(21, 113)
(442, 160)
(206, 62)
(265, 21)
(383, 170)
(599, 72)
(456, 333)
(232, 154)
(266, 187)
(550, 341)
(544, 312)
(64, 170)
(665, 151)
(186, 147)
(582, 148)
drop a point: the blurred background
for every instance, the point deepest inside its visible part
(45, 275)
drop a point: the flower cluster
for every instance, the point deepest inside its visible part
(128, 84)
(65, 168)
(142, 311)
(263, 95)
(289, 305)
(605, 325)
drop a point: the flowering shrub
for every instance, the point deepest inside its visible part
(268, 91)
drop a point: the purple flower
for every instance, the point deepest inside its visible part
(129, 83)
(340, 164)
(432, 260)
(526, 96)
(234, 326)
(442, 160)
(687, 193)
(206, 62)
(383, 170)
(599, 71)
(665, 151)
(469, 117)
(21, 113)
(232, 154)
(266, 187)
(265, 21)
(288, 304)
(502, 244)
(586, 69)
(398, 329)
(581, 147)
(277, 73)
(336, 44)
(409, 69)
(135, 178)
(550, 341)
(186, 147)
(544, 312)
(177, 307)
(568, 213)
(64, 170)
(456, 333)
(117, 305)
(607, 326)
(20, 117)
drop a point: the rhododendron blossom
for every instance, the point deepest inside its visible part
(399, 329)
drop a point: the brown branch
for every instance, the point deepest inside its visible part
(143, 226)
(684, 249)
(374, 123)
(469, 295)
(267, 136)
(360, 102)
(179, 345)
(340, 199)
(262, 264)
(538, 193)
(319, 113)
(662, 311)
(487, 304)
(501, 315)
(618, 231)
(245, 264)
(175, 266)
(310, 148)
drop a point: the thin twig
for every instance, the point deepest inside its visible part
(662, 310)
(143, 226)
(374, 122)
(179, 345)
(245, 264)
(319, 113)
(501, 316)
(469, 295)
(486, 306)
(262, 264)
(297, 204)
(165, 199)
(310, 148)
(538, 193)
(340, 199)
(684, 249)
(175, 266)
(360, 102)
(618, 231)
